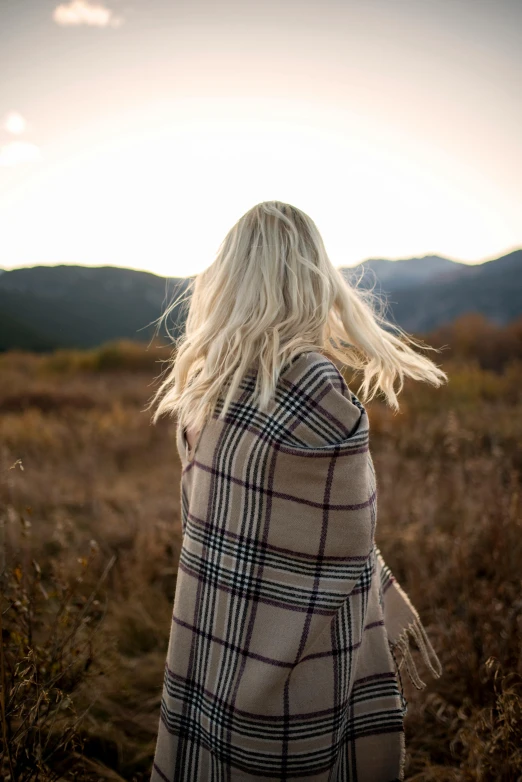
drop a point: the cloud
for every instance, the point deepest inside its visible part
(84, 12)
(14, 123)
(16, 152)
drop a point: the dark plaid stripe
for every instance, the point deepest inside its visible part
(304, 559)
(271, 591)
(386, 577)
(160, 772)
(288, 599)
(299, 762)
(173, 684)
(252, 486)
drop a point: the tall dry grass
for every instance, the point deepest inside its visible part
(90, 538)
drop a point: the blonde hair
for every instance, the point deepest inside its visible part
(271, 293)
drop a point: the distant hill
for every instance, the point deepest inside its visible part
(493, 288)
(78, 306)
(390, 275)
(45, 307)
(15, 333)
(424, 293)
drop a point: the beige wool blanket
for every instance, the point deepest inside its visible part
(289, 631)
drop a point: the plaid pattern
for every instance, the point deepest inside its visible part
(279, 663)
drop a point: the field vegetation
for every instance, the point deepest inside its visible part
(90, 538)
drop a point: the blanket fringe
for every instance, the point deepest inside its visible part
(416, 631)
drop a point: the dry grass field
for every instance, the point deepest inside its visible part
(90, 536)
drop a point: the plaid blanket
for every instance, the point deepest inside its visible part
(289, 631)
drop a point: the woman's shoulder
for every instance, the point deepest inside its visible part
(325, 411)
(312, 365)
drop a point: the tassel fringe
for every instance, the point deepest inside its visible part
(416, 631)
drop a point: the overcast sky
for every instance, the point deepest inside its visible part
(136, 132)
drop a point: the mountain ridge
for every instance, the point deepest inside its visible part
(68, 305)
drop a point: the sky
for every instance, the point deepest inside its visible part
(136, 132)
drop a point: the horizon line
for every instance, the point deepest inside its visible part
(493, 257)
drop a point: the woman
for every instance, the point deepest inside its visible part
(283, 659)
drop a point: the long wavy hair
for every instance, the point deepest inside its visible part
(271, 293)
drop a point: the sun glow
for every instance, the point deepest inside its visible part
(160, 190)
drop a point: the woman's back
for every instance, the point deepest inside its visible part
(279, 664)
